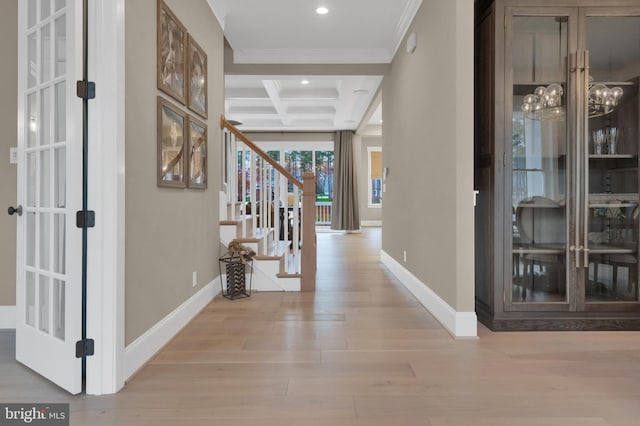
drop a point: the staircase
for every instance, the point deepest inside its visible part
(258, 208)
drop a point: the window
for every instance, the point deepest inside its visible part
(375, 176)
(324, 176)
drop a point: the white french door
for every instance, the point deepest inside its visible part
(49, 245)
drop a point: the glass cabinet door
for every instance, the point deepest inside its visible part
(611, 220)
(539, 46)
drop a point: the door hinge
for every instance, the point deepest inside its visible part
(85, 219)
(86, 89)
(84, 348)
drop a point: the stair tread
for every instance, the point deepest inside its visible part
(288, 275)
(274, 251)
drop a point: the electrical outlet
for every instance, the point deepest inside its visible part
(195, 278)
(13, 155)
(405, 256)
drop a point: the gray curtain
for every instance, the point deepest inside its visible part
(346, 216)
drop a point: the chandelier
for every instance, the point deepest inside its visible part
(546, 102)
(602, 100)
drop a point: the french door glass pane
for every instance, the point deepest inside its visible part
(32, 13)
(45, 237)
(60, 181)
(30, 294)
(32, 120)
(45, 116)
(60, 4)
(32, 65)
(43, 303)
(31, 239)
(539, 148)
(45, 179)
(45, 53)
(60, 45)
(31, 184)
(58, 309)
(45, 9)
(612, 230)
(61, 112)
(59, 243)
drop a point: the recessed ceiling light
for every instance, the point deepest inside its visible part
(305, 82)
(322, 10)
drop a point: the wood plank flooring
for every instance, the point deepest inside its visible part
(361, 351)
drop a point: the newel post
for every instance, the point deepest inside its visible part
(308, 232)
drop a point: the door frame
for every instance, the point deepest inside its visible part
(106, 241)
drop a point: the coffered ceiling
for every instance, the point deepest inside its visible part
(299, 103)
(290, 32)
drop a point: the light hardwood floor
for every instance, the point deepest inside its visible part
(361, 351)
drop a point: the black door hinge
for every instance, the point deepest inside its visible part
(84, 348)
(86, 89)
(85, 219)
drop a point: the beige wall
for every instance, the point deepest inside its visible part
(8, 114)
(366, 213)
(428, 148)
(170, 233)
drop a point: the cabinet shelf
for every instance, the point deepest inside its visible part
(539, 249)
(610, 156)
(611, 249)
(610, 205)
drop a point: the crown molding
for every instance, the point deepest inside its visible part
(311, 56)
(405, 22)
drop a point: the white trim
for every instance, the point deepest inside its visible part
(459, 324)
(364, 223)
(312, 56)
(221, 16)
(106, 261)
(405, 22)
(294, 146)
(7, 317)
(141, 350)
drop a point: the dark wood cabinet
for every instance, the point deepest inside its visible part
(556, 163)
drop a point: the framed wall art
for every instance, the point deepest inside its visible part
(196, 78)
(171, 145)
(197, 149)
(172, 40)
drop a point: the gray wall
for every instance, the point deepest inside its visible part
(170, 233)
(428, 148)
(366, 213)
(8, 114)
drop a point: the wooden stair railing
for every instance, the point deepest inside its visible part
(264, 189)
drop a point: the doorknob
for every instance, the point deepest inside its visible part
(13, 210)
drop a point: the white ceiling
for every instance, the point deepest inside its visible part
(291, 32)
(281, 103)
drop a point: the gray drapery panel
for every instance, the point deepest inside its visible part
(346, 215)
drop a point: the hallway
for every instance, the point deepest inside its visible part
(361, 351)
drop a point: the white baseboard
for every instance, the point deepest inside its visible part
(364, 223)
(7, 317)
(459, 324)
(140, 351)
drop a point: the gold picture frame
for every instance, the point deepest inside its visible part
(197, 142)
(172, 39)
(196, 78)
(171, 145)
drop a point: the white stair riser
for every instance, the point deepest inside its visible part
(265, 273)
